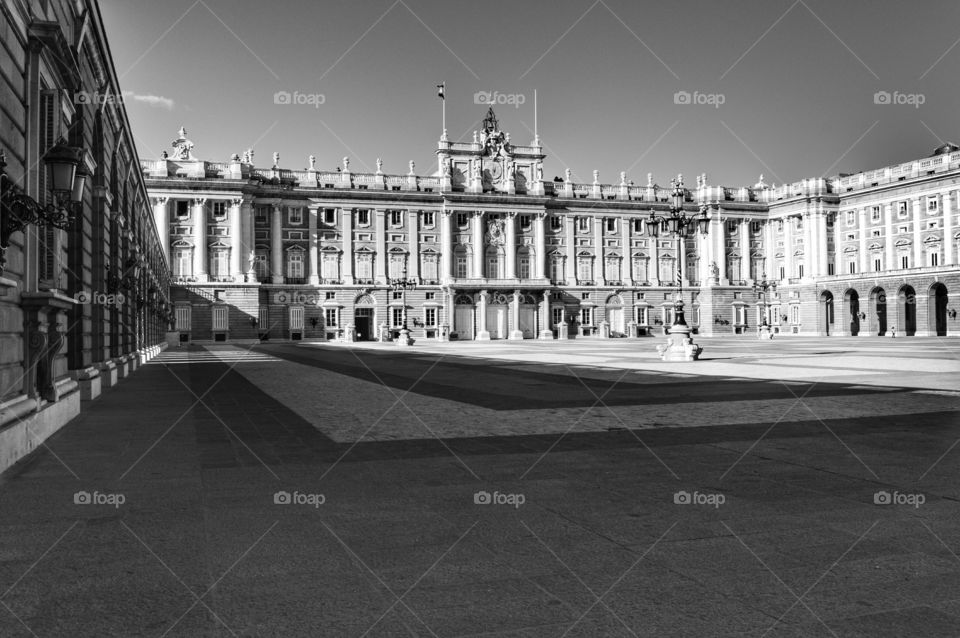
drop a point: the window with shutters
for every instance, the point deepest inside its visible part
(220, 314)
(183, 318)
(296, 317)
(48, 237)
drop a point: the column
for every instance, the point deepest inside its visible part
(413, 244)
(381, 258)
(545, 330)
(888, 237)
(599, 266)
(862, 235)
(837, 245)
(446, 246)
(948, 228)
(510, 248)
(515, 333)
(717, 235)
(682, 260)
(745, 250)
(200, 239)
(809, 247)
(788, 247)
(276, 244)
(626, 266)
(477, 242)
(821, 242)
(346, 221)
(571, 240)
(247, 241)
(770, 271)
(540, 246)
(917, 239)
(236, 241)
(654, 265)
(704, 250)
(161, 217)
(313, 277)
(482, 333)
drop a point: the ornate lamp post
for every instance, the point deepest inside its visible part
(760, 288)
(679, 224)
(401, 285)
(18, 210)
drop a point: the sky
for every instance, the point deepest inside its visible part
(789, 89)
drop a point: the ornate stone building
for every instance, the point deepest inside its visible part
(83, 279)
(497, 252)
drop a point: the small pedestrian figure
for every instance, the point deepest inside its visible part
(893, 332)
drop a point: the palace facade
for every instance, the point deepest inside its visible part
(488, 249)
(83, 278)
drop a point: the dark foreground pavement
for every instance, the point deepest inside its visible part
(187, 502)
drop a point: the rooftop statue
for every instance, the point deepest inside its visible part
(182, 147)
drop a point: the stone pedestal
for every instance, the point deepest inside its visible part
(350, 333)
(483, 335)
(546, 335)
(764, 332)
(679, 346)
(516, 335)
(604, 329)
(444, 333)
(384, 333)
(563, 331)
(632, 330)
(403, 339)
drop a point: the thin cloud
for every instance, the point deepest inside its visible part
(150, 100)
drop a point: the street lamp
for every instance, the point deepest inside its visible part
(679, 224)
(760, 288)
(18, 210)
(401, 285)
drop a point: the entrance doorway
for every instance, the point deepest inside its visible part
(852, 299)
(937, 309)
(497, 321)
(907, 310)
(879, 298)
(363, 321)
(826, 312)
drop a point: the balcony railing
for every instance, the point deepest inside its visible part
(295, 281)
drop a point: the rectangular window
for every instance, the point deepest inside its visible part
(462, 220)
(428, 219)
(932, 204)
(294, 215)
(852, 267)
(329, 216)
(330, 296)
(364, 267)
(460, 271)
(295, 265)
(583, 223)
(363, 217)
(397, 295)
(296, 317)
(183, 318)
(584, 269)
(755, 227)
(555, 223)
(430, 317)
(934, 259)
(261, 265)
(331, 317)
(875, 213)
(611, 224)
(586, 316)
(901, 209)
(851, 218)
(525, 222)
(638, 226)
(799, 270)
(430, 295)
(260, 214)
(904, 261)
(397, 316)
(396, 218)
(523, 267)
(220, 314)
(183, 209)
(876, 265)
(556, 315)
(219, 210)
(782, 272)
(830, 269)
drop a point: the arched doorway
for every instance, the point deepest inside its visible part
(907, 310)
(937, 309)
(615, 315)
(364, 318)
(852, 301)
(826, 313)
(878, 303)
(528, 316)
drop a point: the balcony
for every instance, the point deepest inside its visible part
(295, 281)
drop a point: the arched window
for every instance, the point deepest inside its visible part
(585, 267)
(261, 263)
(494, 263)
(461, 263)
(331, 265)
(397, 264)
(524, 263)
(295, 264)
(641, 268)
(613, 267)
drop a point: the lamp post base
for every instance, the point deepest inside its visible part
(679, 346)
(403, 339)
(765, 333)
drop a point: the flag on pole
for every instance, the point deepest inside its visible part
(440, 90)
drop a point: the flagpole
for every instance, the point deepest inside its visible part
(535, 135)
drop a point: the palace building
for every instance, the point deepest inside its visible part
(485, 248)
